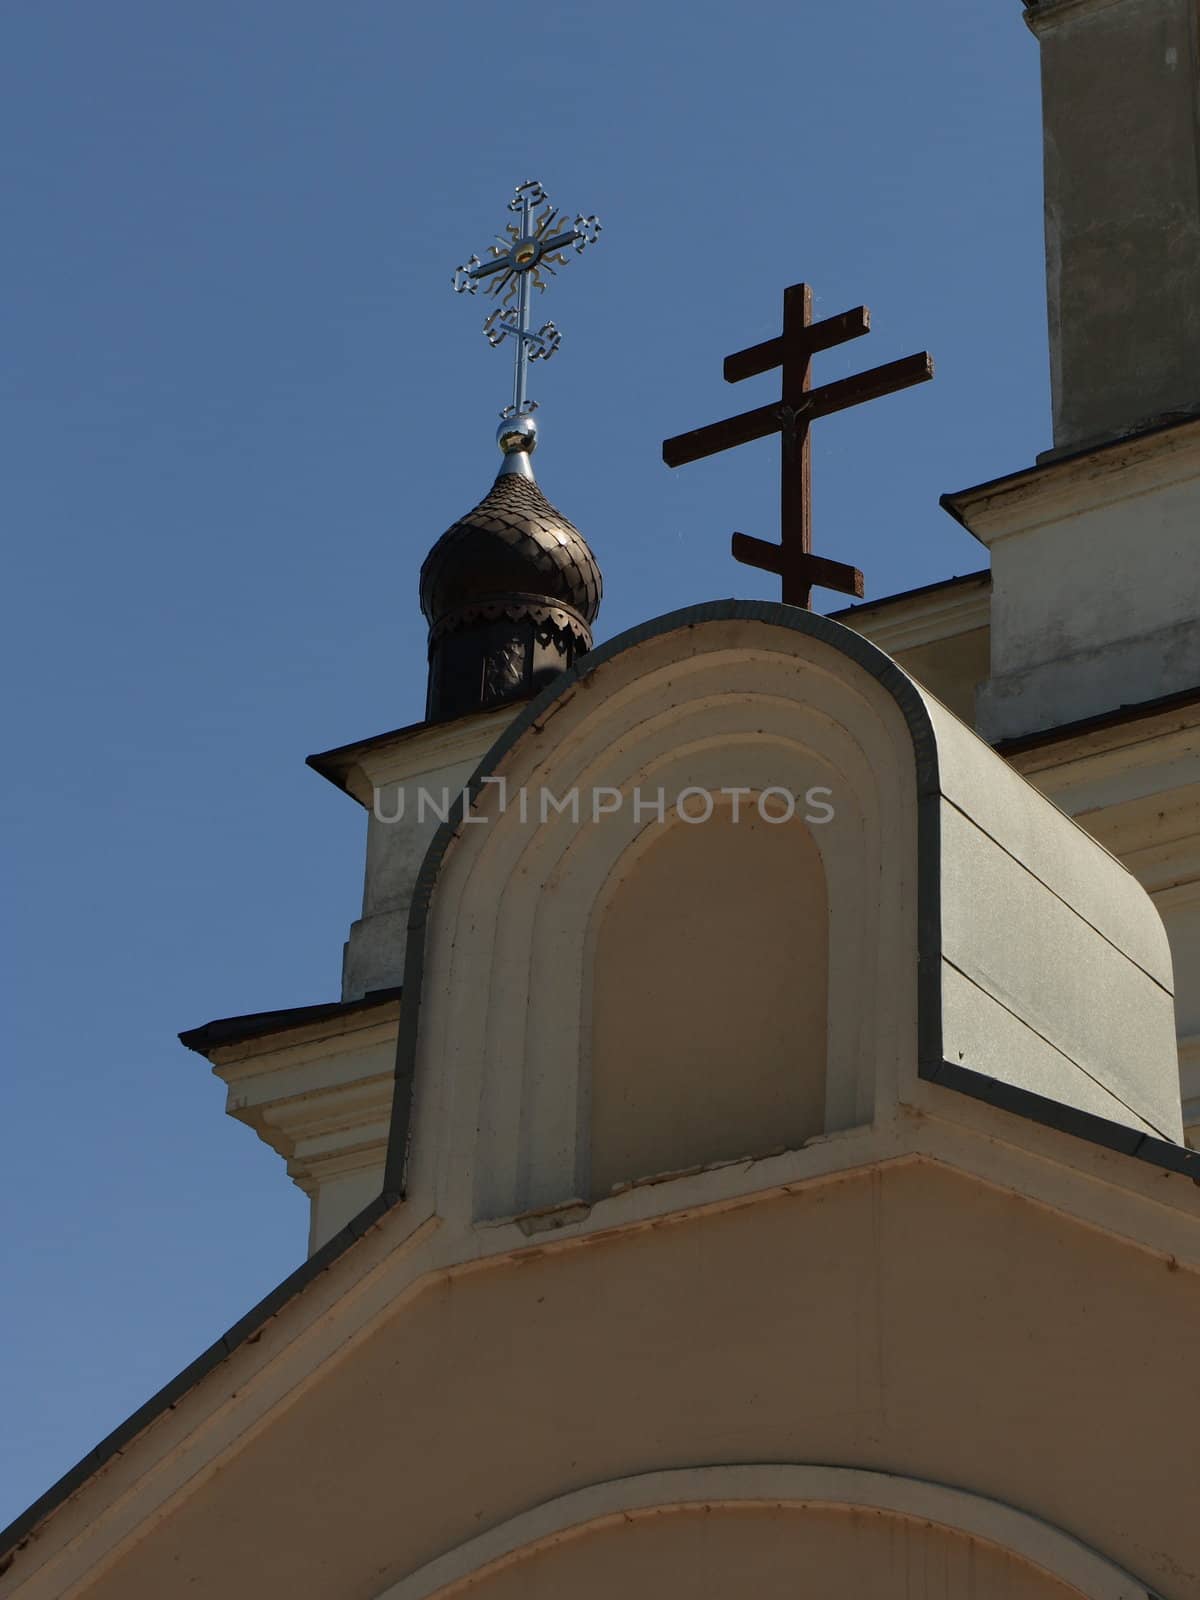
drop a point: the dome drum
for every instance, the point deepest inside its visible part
(488, 655)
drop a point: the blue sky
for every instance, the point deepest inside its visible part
(239, 402)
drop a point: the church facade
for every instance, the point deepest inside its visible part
(752, 1151)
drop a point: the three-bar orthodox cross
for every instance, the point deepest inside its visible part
(528, 247)
(791, 417)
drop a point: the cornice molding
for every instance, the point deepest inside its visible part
(408, 752)
(1043, 15)
(927, 619)
(1125, 470)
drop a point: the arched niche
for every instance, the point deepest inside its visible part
(975, 935)
(709, 992)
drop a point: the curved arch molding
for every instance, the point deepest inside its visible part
(770, 1485)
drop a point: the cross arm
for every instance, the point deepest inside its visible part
(822, 402)
(466, 277)
(718, 436)
(817, 336)
(799, 569)
(560, 240)
(870, 385)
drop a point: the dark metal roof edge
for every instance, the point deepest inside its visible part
(18, 1531)
(981, 576)
(261, 1024)
(1136, 712)
(1066, 1119)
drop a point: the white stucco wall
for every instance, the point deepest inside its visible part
(1095, 595)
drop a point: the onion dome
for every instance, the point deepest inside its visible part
(509, 591)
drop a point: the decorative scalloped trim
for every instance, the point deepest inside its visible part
(557, 619)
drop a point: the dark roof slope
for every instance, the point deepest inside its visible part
(258, 1024)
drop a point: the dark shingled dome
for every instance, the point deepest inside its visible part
(513, 544)
(510, 593)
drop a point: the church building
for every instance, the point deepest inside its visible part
(752, 1152)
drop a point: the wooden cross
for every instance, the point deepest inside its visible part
(791, 417)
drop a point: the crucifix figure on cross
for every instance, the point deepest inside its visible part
(791, 417)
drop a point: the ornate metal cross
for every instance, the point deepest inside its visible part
(791, 417)
(528, 247)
